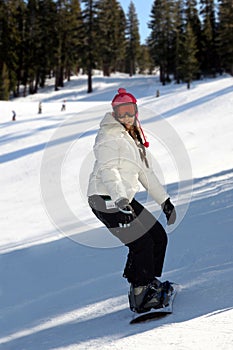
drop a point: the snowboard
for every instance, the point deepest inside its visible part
(159, 313)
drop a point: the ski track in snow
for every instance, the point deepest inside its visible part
(56, 293)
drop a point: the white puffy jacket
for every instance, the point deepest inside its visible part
(118, 168)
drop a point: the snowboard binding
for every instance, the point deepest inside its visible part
(152, 298)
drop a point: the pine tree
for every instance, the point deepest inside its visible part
(111, 35)
(74, 40)
(4, 83)
(209, 32)
(133, 39)
(145, 62)
(3, 52)
(162, 36)
(120, 42)
(190, 64)
(69, 38)
(11, 39)
(32, 36)
(47, 39)
(225, 35)
(90, 43)
(19, 44)
(178, 39)
(191, 16)
(60, 38)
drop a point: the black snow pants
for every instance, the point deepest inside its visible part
(145, 238)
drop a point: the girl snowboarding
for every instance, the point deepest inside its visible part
(122, 164)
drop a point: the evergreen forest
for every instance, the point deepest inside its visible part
(41, 39)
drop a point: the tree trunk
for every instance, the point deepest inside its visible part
(162, 75)
(106, 69)
(89, 89)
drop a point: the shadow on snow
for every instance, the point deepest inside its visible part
(51, 280)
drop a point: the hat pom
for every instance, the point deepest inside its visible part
(146, 144)
(121, 91)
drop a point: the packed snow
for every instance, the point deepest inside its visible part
(61, 284)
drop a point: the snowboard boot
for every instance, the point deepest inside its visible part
(144, 298)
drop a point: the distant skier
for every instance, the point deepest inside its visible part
(122, 164)
(40, 108)
(63, 107)
(13, 116)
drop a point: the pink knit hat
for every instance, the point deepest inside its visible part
(124, 97)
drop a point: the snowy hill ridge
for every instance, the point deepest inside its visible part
(60, 292)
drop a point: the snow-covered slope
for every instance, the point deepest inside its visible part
(60, 270)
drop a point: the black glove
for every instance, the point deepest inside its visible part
(169, 211)
(126, 211)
